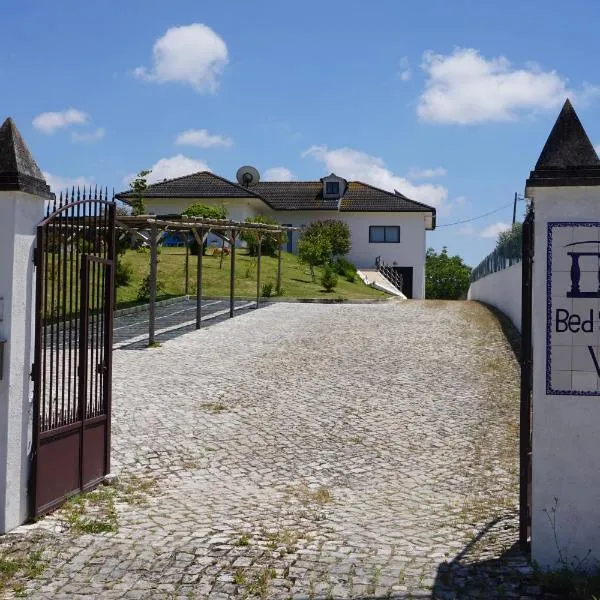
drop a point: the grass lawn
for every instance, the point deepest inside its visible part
(296, 280)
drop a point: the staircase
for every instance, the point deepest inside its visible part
(378, 279)
(392, 276)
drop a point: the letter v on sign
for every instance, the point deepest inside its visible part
(593, 355)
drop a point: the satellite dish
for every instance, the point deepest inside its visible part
(247, 175)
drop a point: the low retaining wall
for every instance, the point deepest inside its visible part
(502, 290)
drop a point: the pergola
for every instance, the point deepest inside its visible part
(151, 229)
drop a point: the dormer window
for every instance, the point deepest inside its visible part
(334, 187)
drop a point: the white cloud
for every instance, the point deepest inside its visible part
(279, 174)
(192, 54)
(353, 164)
(169, 168)
(404, 71)
(466, 229)
(202, 139)
(50, 122)
(460, 201)
(465, 87)
(427, 173)
(59, 184)
(492, 231)
(91, 136)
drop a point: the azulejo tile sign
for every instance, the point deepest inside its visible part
(573, 309)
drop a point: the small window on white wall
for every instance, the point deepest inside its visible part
(384, 234)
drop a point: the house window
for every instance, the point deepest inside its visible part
(381, 234)
(332, 188)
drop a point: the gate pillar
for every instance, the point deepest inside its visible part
(23, 192)
(565, 192)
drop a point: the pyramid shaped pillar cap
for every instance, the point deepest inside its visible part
(18, 169)
(568, 157)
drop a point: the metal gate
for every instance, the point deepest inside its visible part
(526, 383)
(74, 258)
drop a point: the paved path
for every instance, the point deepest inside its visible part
(131, 329)
(302, 451)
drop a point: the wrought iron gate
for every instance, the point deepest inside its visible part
(75, 258)
(526, 383)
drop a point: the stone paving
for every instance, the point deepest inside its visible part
(301, 451)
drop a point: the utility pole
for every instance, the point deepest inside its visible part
(514, 209)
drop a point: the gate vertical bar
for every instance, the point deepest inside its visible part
(38, 365)
(526, 384)
(83, 358)
(108, 329)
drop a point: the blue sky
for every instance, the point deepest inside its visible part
(449, 102)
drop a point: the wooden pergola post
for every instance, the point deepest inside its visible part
(259, 236)
(153, 278)
(232, 237)
(279, 240)
(186, 291)
(200, 242)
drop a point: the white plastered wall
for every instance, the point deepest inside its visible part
(19, 214)
(410, 252)
(502, 290)
(566, 429)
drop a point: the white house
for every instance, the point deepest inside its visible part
(385, 226)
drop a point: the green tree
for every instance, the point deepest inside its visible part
(337, 232)
(138, 186)
(446, 277)
(510, 242)
(269, 244)
(204, 211)
(322, 241)
(314, 250)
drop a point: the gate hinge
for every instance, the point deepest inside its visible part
(32, 373)
(35, 257)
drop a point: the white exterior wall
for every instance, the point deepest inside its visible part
(566, 442)
(410, 252)
(502, 290)
(19, 214)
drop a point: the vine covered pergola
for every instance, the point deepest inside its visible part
(151, 229)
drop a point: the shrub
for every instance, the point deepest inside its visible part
(144, 289)
(329, 279)
(267, 290)
(344, 268)
(123, 273)
(205, 211)
(269, 245)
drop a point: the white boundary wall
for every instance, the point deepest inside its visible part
(502, 290)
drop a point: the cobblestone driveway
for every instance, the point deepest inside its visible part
(304, 451)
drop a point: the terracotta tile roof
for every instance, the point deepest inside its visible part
(203, 184)
(285, 195)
